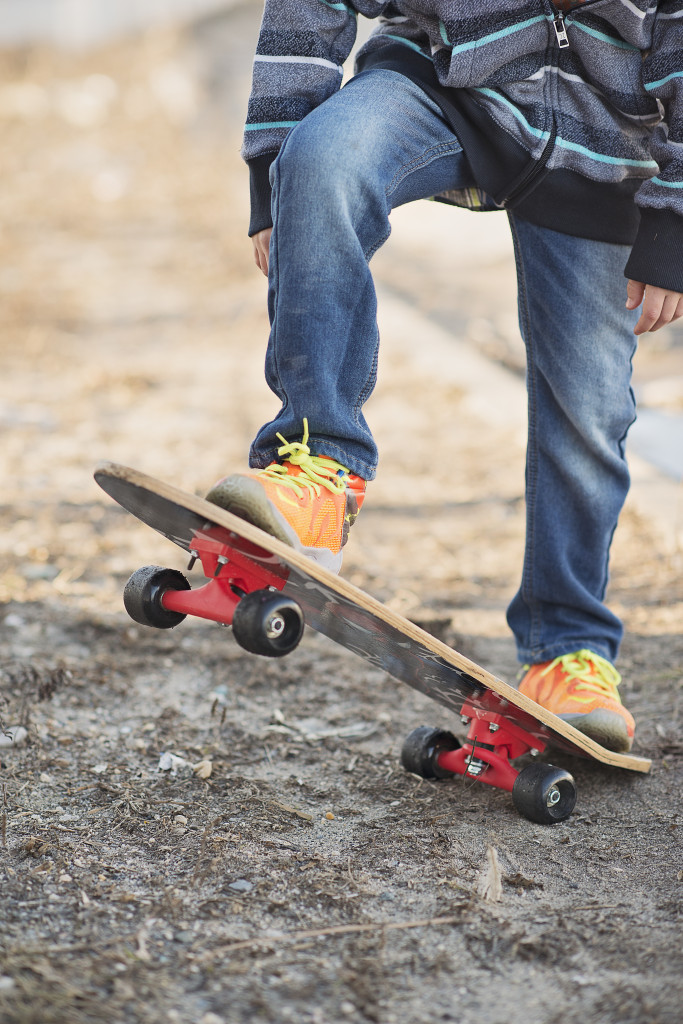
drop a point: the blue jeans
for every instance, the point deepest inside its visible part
(381, 142)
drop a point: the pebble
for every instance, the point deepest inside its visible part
(14, 736)
(171, 763)
(14, 621)
(40, 572)
(241, 885)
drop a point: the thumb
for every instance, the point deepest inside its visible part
(635, 291)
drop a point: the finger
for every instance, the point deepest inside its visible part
(635, 291)
(259, 259)
(653, 302)
(667, 312)
(648, 318)
(658, 309)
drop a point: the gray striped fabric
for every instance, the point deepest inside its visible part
(613, 95)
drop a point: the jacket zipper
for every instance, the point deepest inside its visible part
(536, 169)
(561, 30)
(560, 22)
(523, 185)
(562, 39)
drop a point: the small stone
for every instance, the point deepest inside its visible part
(241, 885)
(171, 763)
(330, 816)
(203, 769)
(15, 736)
(14, 621)
(180, 819)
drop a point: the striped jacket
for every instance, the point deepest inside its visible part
(572, 118)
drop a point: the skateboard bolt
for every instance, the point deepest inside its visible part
(275, 627)
(220, 562)
(554, 796)
(465, 720)
(475, 766)
(493, 727)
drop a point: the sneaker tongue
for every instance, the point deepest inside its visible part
(318, 469)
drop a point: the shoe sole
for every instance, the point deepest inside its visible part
(605, 727)
(245, 497)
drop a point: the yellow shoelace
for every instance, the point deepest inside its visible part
(590, 670)
(316, 471)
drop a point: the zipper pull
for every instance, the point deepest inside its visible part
(561, 31)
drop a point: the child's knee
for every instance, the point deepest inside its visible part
(318, 156)
(305, 155)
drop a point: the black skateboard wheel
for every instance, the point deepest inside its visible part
(544, 794)
(264, 622)
(143, 593)
(421, 749)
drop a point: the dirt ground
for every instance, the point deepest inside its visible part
(287, 869)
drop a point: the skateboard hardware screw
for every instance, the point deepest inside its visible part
(554, 796)
(194, 555)
(493, 727)
(275, 628)
(475, 766)
(222, 560)
(534, 752)
(465, 720)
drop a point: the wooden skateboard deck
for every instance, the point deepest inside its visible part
(238, 557)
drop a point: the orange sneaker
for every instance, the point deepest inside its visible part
(308, 501)
(581, 688)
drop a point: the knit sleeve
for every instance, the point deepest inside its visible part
(657, 255)
(299, 61)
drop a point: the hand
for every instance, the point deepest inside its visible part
(660, 306)
(261, 241)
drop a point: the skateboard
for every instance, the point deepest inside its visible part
(268, 593)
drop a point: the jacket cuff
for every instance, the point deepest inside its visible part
(657, 254)
(259, 190)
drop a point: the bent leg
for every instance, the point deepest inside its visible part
(378, 143)
(580, 345)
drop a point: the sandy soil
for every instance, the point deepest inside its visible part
(306, 877)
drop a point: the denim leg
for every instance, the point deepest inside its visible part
(378, 143)
(580, 345)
